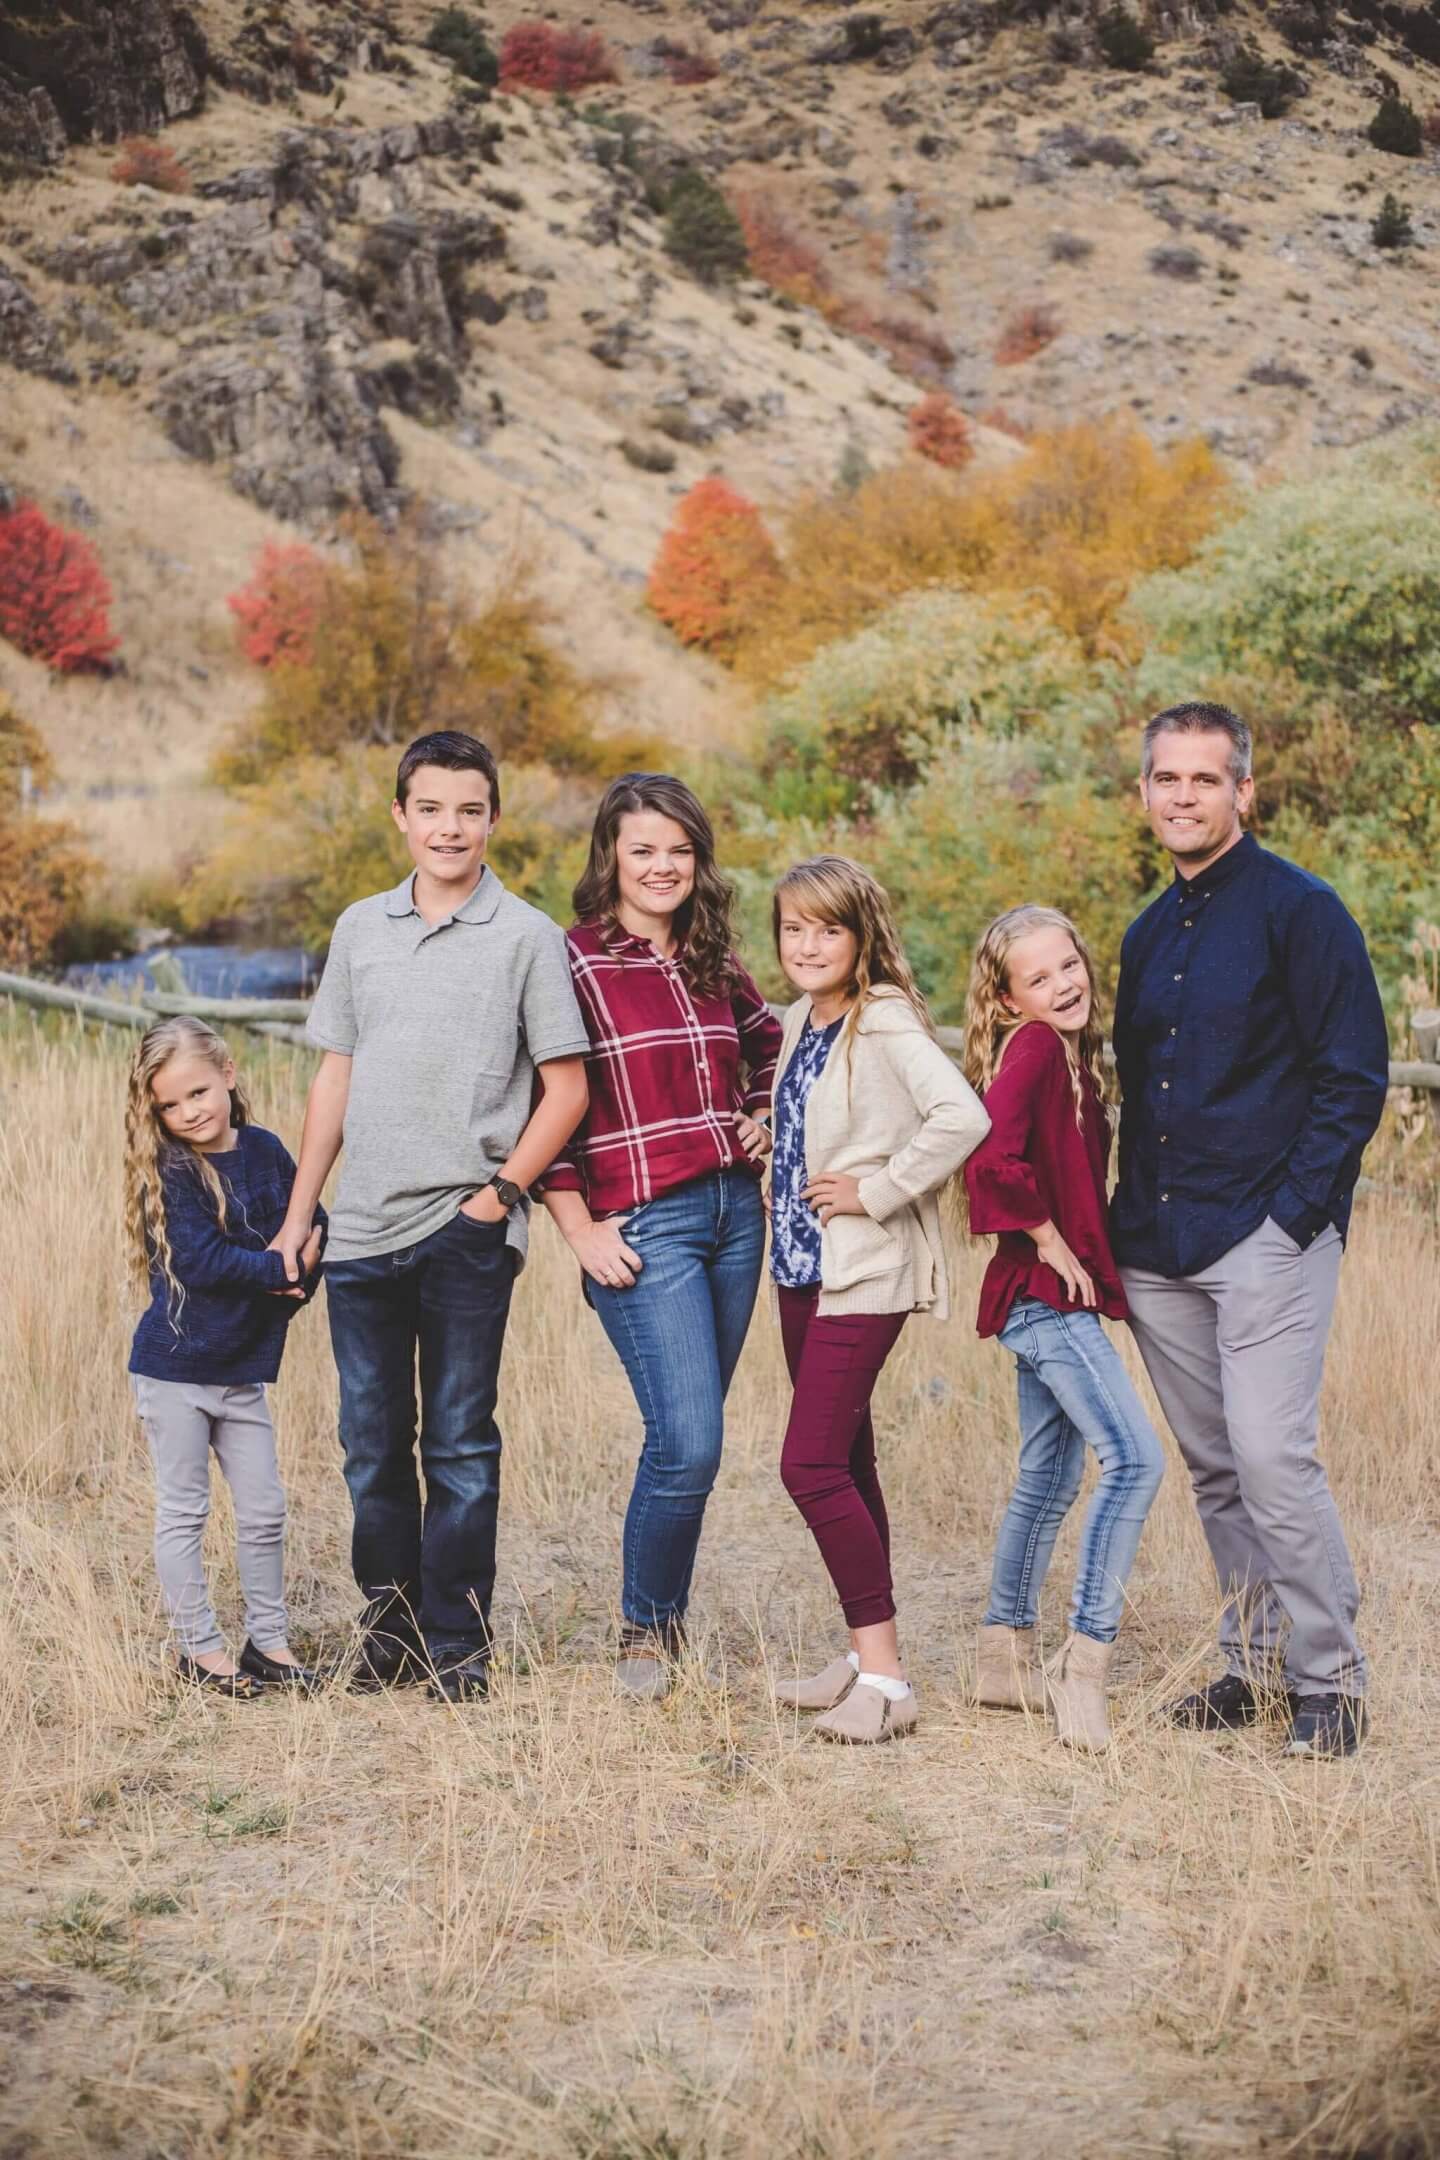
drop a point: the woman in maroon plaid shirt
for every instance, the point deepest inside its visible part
(658, 1193)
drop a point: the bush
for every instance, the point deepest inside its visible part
(1027, 332)
(1391, 226)
(702, 232)
(1395, 128)
(459, 37)
(536, 56)
(277, 612)
(1184, 263)
(143, 162)
(716, 566)
(25, 762)
(940, 431)
(1124, 40)
(778, 253)
(1334, 581)
(1430, 128)
(1250, 79)
(45, 879)
(395, 651)
(1069, 247)
(54, 597)
(683, 64)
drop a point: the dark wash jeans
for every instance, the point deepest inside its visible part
(449, 1299)
(679, 1331)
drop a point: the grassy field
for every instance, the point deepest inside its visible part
(552, 1926)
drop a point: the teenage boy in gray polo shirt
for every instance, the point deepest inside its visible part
(440, 1005)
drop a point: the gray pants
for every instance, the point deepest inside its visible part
(1236, 1354)
(183, 1422)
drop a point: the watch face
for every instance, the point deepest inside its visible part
(509, 1193)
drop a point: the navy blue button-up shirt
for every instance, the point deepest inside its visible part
(1253, 1058)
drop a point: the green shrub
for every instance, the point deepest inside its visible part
(1391, 226)
(702, 232)
(1335, 581)
(460, 38)
(1396, 127)
(1124, 40)
(1250, 79)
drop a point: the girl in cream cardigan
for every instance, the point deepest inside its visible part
(871, 1121)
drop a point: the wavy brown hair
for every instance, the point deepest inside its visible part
(703, 925)
(834, 889)
(150, 1151)
(989, 1022)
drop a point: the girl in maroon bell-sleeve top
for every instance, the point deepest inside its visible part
(658, 1191)
(1038, 1182)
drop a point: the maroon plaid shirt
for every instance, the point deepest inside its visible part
(664, 1071)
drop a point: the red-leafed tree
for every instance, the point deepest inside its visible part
(280, 607)
(715, 566)
(536, 56)
(940, 431)
(54, 597)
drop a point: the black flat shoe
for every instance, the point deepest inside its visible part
(303, 1679)
(384, 1661)
(235, 1687)
(461, 1680)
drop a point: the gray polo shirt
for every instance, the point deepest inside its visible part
(445, 1024)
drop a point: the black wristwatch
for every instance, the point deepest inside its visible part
(509, 1192)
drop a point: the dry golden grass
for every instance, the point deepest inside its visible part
(366, 1927)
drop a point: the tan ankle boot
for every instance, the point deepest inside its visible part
(1007, 1670)
(1076, 1682)
(822, 1691)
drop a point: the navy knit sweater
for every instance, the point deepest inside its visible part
(229, 1330)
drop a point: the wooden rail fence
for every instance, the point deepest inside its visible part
(283, 1018)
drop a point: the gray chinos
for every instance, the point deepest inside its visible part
(1236, 1352)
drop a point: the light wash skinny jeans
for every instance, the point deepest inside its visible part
(1074, 1393)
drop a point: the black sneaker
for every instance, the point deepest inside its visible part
(386, 1660)
(461, 1680)
(1224, 1706)
(1326, 1725)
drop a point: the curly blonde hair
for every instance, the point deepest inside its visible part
(989, 1023)
(150, 1150)
(834, 889)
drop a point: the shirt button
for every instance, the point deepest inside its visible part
(1163, 1138)
(1164, 1196)
(1179, 978)
(1165, 1084)
(1189, 925)
(1172, 1031)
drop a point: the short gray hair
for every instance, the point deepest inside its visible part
(1197, 718)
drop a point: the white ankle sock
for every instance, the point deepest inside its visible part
(893, 1690)
(852, 1659)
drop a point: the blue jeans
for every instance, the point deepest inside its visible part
(447, 1298)
(678, 1332)
(1074, 1393)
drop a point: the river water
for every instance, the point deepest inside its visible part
(224, 971)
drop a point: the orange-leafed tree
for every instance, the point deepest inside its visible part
(536, 56)
(144, 162)
(54, 597)
(940, 431)
(716, 567)
(278, 610)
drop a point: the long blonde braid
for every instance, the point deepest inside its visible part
(989, 1023)
(149, 1148)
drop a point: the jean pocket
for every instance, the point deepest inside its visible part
(492, 1232)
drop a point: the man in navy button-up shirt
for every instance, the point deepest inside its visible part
(1252, 1052)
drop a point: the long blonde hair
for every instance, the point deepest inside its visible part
(834, 889)
(989, 1024)
(150, 1150)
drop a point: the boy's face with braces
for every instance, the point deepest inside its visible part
(447, 824)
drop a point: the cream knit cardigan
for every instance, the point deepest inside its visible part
(891, 1110)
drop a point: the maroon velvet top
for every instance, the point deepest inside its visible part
(1036, 1166)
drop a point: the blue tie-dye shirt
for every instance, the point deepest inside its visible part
(794, 1225)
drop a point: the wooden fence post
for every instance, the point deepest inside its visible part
(1425, 1027)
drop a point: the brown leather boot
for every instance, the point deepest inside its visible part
(1007, 1670)
(1076, 1682)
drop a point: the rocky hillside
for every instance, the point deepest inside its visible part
(371, 282)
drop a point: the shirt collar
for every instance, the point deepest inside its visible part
(626, 946)
(1220, 872)
(478, 908)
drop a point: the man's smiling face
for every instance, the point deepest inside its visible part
(1195, 802)
(446, 820)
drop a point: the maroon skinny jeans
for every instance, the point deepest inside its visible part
(827, 1464)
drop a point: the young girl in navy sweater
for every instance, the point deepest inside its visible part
(1038, 1181)
(205, 1191)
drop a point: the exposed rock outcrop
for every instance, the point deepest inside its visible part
(105, 68)
(27, 339)
(30, 128)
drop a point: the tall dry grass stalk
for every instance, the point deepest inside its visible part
(372, 1927)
